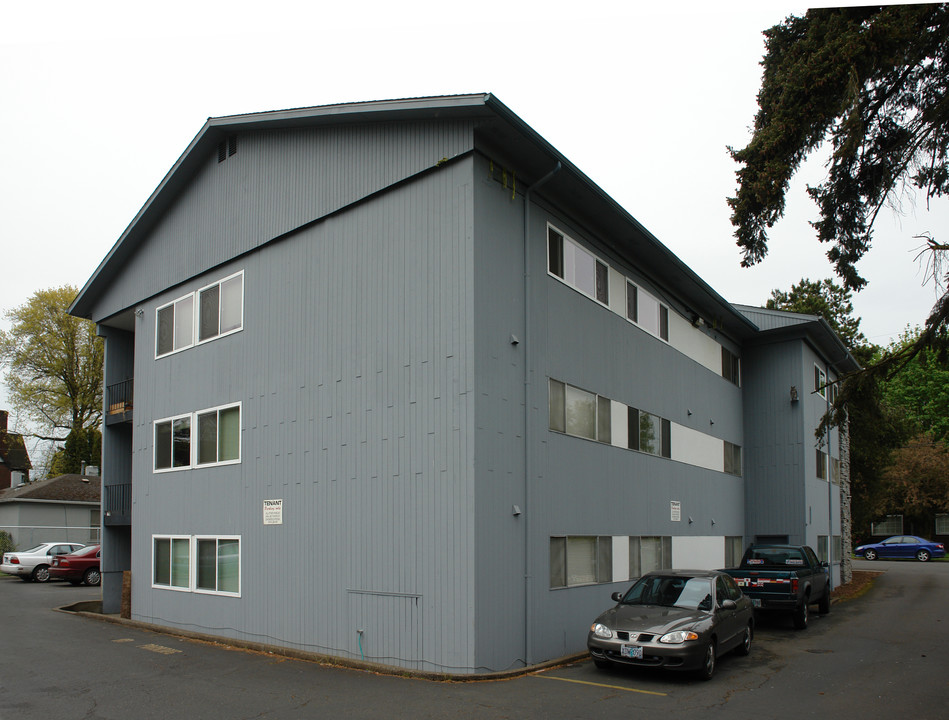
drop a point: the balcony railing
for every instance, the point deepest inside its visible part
(117, 508)
(119, 402)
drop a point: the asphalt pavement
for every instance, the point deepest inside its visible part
(879, 656)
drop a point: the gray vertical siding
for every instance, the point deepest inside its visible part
(578, 487)
(354, 370)
(276, 182)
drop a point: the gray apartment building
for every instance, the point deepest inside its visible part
(396, 381)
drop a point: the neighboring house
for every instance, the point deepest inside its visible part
(15, 463)
(410, 387)
(63, 508)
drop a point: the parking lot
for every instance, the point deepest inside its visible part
(880, 655)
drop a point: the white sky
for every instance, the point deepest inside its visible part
(99, 99)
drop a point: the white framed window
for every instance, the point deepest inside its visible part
(172, 448)
(171, 562)
(203, 438)
(221, 308)
(174, 326)
(207, 564)
(213, 311)
(580, 560)
(218, 565)
(219, 435)
(820, 381)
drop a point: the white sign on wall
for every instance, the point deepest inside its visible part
(273, 512)
(675, 510)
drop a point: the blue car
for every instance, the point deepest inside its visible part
(902, 546)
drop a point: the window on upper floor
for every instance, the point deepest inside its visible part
(730, 367)
(821, 459)
(732, 458)
(820, 382)
(577, 266)
(216, 442)
(214, 311)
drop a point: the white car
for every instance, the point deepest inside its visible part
(33, 564)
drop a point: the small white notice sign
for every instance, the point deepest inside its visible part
(273, 512)
(675, 510)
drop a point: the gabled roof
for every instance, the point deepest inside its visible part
(498, 130)
(63, 488)
(781, 324)
(13, 452)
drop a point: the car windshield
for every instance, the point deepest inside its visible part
(671, 591)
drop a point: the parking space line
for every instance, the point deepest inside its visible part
(603, 685)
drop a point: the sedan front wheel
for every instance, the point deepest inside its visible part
(870, 554)
(708, 664)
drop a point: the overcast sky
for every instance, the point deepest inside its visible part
(99, 99)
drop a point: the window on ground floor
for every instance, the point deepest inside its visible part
(580, 560)
(733, 551)
(649, 553)
(192, 563)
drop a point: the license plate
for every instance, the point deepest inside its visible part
(756, 602)
(633, 652)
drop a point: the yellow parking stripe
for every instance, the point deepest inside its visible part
(603, 685)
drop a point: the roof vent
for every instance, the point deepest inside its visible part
(226, 148)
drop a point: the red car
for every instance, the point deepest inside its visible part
(81, 566)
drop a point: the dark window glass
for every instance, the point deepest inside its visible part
(181, 442)
(632, 302)
(557, 406)
(666, 438)
(166, 330)
(555, 252)
(162, 561)
(603, 420)
(604, 559)
(207, 438)
(664, 322)
(602, 284)
(633, 428)
(162, 446)
(209, 312)
(207, 564)
(558, 562)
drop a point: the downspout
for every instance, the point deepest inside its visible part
(528, 466)
(830, 488)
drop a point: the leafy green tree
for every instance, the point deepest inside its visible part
(53, 364)
(83, 447)
(920, 390)
(828, 300)
(871, 82)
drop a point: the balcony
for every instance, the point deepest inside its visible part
(119, 402)
(117, 504)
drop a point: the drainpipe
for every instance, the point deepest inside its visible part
(830, 487)
(528, 466)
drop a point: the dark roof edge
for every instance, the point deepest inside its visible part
(835, 352)
(505, 112)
